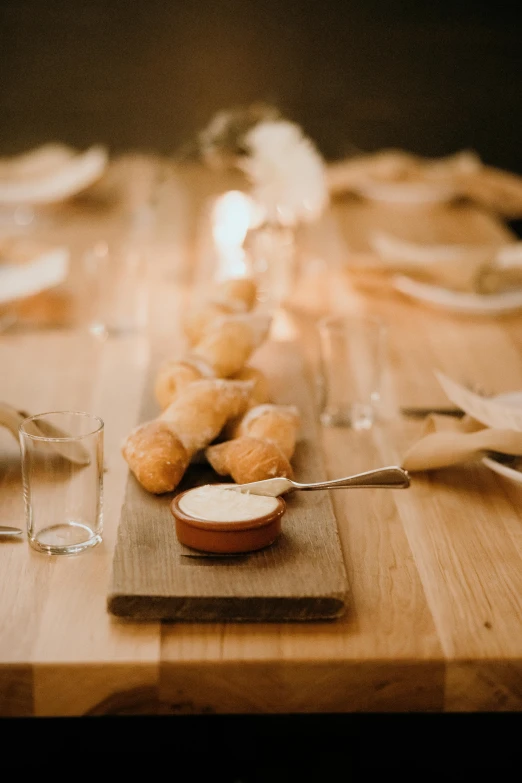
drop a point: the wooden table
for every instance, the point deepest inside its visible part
(435, 572)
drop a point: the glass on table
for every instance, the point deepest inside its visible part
(116, 293)
(353, 354)
(62, 472)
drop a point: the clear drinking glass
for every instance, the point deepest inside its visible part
(353, 351)
(116, 277)
(272, 257)
(62, 471)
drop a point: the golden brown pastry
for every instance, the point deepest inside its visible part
(258, 395)
(159, 451)
(198, 322)
(175, 374)
(262, 446)
(248, 459)
(156, 456)
(260, 391)
(228, 345)
(200, 411)
(234, 295)
(206, 394)
(278, 424)
(239, 290)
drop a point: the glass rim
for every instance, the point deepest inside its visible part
(64, 438)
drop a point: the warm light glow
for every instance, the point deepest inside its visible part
(234, 213)
(232, 216)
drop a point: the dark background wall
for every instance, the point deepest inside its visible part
(430, 76)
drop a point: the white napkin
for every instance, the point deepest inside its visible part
(488, 425)
(50, 173)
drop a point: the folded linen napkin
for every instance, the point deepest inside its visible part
(446, 441)
(489, 425)
(488, 268)
(74, 451)
(462, 174)
(50, 173)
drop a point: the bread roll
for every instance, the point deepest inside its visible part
(248, 459)
(175, 374)
(228, 346)
(200, 411)
(278, 424)
(156, 456)
(234, 295)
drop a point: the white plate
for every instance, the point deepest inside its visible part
(457, 301)
(18, 281)
(396, 250)
(49, 174)
(406, 192)
(514, 399)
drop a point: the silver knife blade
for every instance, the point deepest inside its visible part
(6, 530)
(421, 412)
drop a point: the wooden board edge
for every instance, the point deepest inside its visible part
(204, 609)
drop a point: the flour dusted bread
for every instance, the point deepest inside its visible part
(231, 341)
(159, 452)
(248, 459)
(258, 395)
(236, 292)
(260, 392)
(201, 410)
(199, 322)
(156, 456)
(175, 374)
(261, 447)
(213, 404)
(278, 424)
(234, 295)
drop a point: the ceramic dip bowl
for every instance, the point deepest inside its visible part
(217, 519)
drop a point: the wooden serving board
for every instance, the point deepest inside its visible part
(300, 577)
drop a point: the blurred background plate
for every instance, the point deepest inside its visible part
(49, 174)
(458, 301)
(407, 192)
(18, 281)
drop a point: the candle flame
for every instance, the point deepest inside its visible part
(232, 217)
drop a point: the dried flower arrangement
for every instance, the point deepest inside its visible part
(285, 170)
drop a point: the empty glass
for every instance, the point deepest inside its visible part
(62, 471)
(353, 352)
(116, 280)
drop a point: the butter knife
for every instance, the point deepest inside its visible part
(419, 412)
(9, 532)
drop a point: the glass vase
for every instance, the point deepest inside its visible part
(271, 253)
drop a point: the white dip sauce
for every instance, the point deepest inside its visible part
(217, 504)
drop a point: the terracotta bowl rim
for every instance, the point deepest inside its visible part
(218, 527)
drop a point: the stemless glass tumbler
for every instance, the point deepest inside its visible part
(353, 352)
(117, 279)
(62, 471)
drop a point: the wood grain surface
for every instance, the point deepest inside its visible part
(432, 620)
